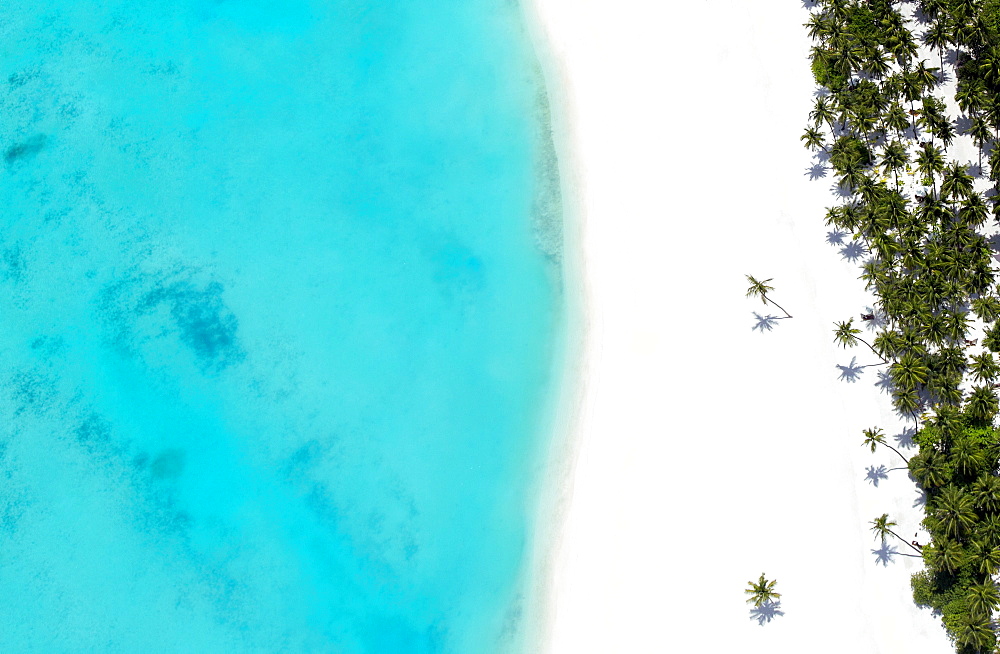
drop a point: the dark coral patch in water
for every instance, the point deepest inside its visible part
(25, 149)
(31, 392)
(93, 432)
(204, 322)
(169, 464)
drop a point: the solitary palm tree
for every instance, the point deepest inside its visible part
(874, 437)
(882, 527)
(762, 591)
(761, 289)
(847, 336)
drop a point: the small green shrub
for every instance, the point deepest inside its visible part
(826, 76)
(923, 589)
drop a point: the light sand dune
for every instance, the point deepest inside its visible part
(708, 452)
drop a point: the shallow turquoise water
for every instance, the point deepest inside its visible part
(277, 334)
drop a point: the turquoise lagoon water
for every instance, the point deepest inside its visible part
(279, 304)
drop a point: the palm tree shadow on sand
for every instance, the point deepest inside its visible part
(963, 124)
(836, 237)
(766, 612)
(875, 475)
(817, 171)
(880, 473)
(765, 323)
(851, 372)
(841, 191)
(853, 251)
(884, 382)
(885, 553)
(904, 439)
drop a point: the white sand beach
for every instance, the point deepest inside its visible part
(708, 451)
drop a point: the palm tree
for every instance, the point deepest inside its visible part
(984, 367)
(969, 96)
(874, 437)
(991, 340)
(819, 26)
(930, 469)
(986, 494)
(989, 529)
(967, 459)
(761, 289)
(944, 554)
(957, 182)
(980, 132)
(984, 598)
(948, 420)
(906, 401)
(953, 512)
(985, 557)
(975, 631)
(983, 404)
(882, 527)
(846, 335)
(822, 113)
(950, 361)
(930, 161)
(989, 68)
(894, 157)
(762, 591)
(927, 75)
(938, 37)
(946, 389)
(897, 119)
(974, 211)
(908, 372)
(934, 8)
(813, 139)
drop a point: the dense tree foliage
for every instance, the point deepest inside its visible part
(890, 74)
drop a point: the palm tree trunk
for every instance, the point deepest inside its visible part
(787, 315)
(872, 349)
(911, 545)
(898, 453)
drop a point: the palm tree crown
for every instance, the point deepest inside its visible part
(761, 591)
(761, 289)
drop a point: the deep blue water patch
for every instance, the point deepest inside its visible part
(279, 291)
